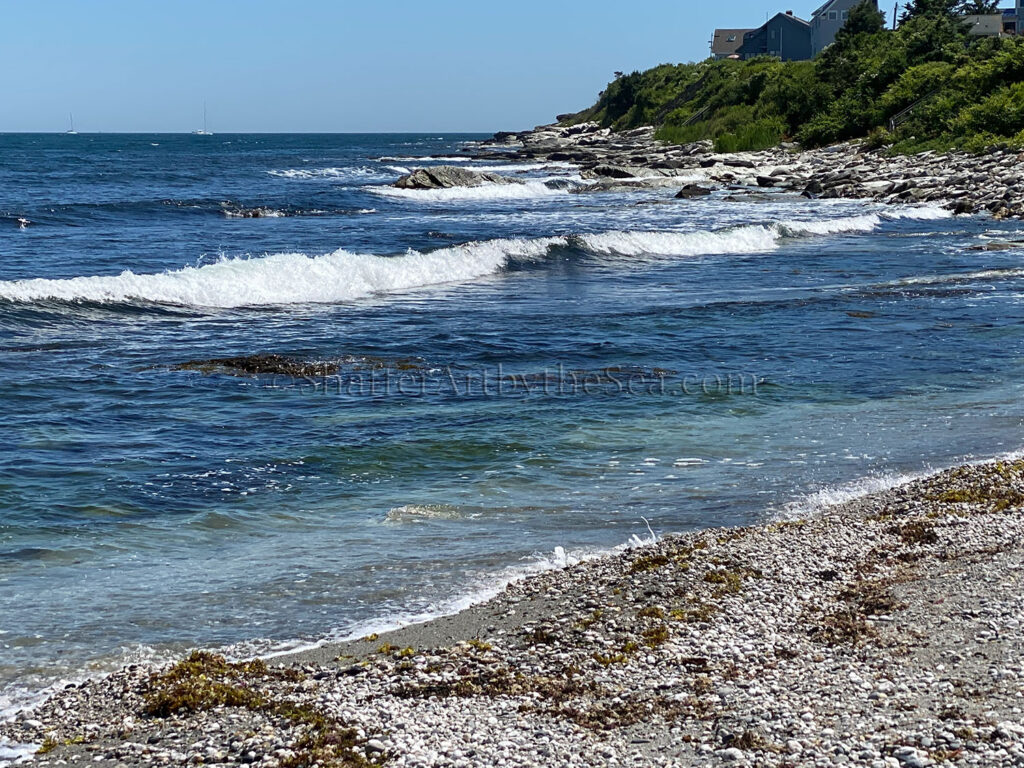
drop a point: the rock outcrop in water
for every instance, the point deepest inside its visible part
(254, 365)
(964, 183)
(282, 365)
(446, 176)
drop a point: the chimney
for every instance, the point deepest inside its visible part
(789, 13)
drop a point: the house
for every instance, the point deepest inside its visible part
(985, 24)
(828, 20)
(726, 41)
(1011, 21)
(784, 35)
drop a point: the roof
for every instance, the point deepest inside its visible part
(823, 8)
(727, 41)
(791, 17)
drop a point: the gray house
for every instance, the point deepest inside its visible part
(787, 36)
(784, 35)
(828, 20)
(726, 41)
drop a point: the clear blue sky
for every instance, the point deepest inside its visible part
(321, 65)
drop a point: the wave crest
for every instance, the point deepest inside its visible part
(525, 191)
(342, 276)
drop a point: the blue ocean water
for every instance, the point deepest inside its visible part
(673, 363)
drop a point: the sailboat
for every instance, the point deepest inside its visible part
(71, 131)
(203, 132)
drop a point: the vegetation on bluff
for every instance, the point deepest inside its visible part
(926, 85)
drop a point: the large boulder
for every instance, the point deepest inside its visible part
(445, 176)
(611, 171)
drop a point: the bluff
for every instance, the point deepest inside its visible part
(927, 85)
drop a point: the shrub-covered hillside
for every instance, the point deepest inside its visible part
(963, 91)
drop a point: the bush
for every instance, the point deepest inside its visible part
(969, 92)
(751, 137)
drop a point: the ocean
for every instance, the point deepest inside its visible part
(519, 376)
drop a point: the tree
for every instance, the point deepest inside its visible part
(917, 8)
(865, 18)
(980, 7)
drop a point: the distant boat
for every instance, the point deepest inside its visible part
(71, 131)
(203, 132)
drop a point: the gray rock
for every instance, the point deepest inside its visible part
(692, 190)
(446, 176)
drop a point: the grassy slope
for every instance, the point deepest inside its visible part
(969, 94)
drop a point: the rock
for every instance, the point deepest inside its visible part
(813, 188)
(447, 176)
(766, 181)
(252, 365)
(692, 190)
(607, 171)
(991, 247)
(732, 754)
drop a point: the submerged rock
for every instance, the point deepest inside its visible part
(282, 365)
(692, 190)
(446, 176)
(251, 365)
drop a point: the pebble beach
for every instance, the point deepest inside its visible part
(883, 632)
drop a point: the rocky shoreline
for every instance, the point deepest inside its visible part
(992, 182)
(883, 632)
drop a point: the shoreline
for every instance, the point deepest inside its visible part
(886, 629)
(963, 183)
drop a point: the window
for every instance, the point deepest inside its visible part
(833, 15)
(773, 34)
(846, 15)
(731, 39)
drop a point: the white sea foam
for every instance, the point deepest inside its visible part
(327, 173)
(865, 223)
(820, 501)
(287, 278)
(738, 240)
(964, 277)
(423, 159)
(929, 212)
(12, 753)
(528, 190)
(297, 278)
(417, 512)
(751, 239)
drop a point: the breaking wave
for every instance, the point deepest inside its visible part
(286, 278)
(525, 191)
(328, 173)
(1008, 273)
(342, 276)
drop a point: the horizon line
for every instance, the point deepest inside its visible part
(238, 133)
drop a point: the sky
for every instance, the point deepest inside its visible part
(337, 66)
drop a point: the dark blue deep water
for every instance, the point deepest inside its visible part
(707, 362)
